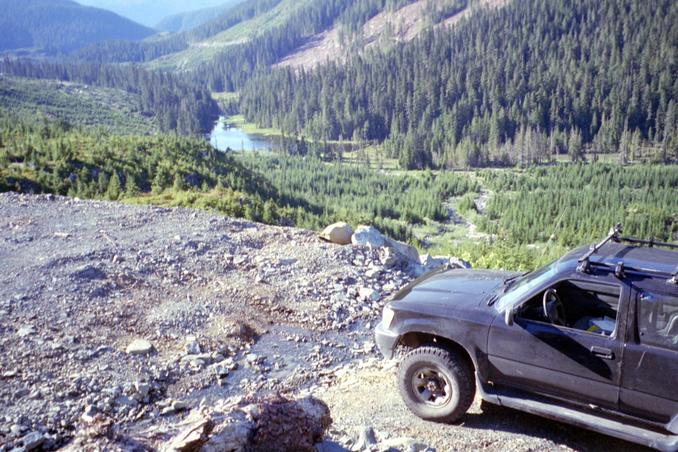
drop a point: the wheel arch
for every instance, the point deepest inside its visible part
(416, 339)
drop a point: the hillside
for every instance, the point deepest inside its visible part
(56, 26)
(122, 325)
(271, 30)
(381, 31)
(514, 85)
(189, 20)
(175, 105)
(36, 101)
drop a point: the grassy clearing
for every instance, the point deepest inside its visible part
(372, 157)
(241, 123)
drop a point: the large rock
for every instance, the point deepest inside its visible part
(392, 253)
(339, 233)
(281, 424)
(368, 236)
(272, 423)
(428, 263)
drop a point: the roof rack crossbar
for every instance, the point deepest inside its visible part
(626, 268)
(613, 235)
(650, 243)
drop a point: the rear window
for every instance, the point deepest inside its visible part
(658, 319)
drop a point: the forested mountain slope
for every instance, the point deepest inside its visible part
(509, 85)
(57, 26)
(260, 33)
(175, 105)
(72, 104)
(189, 20)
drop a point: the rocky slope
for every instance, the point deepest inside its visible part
(120, 324)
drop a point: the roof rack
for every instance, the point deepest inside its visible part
(615, 236)
(584, 262)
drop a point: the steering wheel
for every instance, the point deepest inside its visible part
(554, 311)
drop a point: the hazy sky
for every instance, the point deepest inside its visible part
(150, 12)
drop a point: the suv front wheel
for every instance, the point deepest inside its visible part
(436, 384)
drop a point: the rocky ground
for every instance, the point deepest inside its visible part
(120, 323)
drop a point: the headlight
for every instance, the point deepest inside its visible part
(387, 317)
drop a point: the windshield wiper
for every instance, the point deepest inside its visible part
(493, 299)
(509, 281)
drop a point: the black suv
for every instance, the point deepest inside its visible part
(591, 339)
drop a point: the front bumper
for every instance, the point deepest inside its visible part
(386, 340)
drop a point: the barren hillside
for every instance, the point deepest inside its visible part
(384, 29)
(138, 318)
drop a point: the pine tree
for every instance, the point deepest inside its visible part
(113, 191)
(575, 148)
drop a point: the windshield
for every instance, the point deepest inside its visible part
(524, 285)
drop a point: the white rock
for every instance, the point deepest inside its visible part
(339, 233)
(366, 293)
(25, 331)
(139, 347)
(368, 236)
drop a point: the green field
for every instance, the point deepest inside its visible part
(241, 123)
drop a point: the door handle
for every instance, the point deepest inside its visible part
(601, 352)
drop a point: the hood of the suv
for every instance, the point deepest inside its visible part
(458, 287)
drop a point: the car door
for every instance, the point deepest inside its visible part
(562, 362)
(650, 372)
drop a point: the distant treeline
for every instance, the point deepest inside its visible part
(513, 85)
(177, 106)
(571, 204)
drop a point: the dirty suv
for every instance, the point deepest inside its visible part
(591, 340)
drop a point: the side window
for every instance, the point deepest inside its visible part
(658, 319)
(582, 305)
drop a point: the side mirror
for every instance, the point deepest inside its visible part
(508, 317)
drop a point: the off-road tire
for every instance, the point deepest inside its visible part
(451, 368)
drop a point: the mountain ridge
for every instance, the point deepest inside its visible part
(57, 26)
(189, 20)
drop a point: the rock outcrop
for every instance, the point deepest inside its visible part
(269, 424)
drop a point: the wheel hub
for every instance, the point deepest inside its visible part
(431, 386)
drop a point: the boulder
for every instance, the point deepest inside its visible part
(368, 236)
(428, 263)
(391, 252)
(339, 233)
(283, 424)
